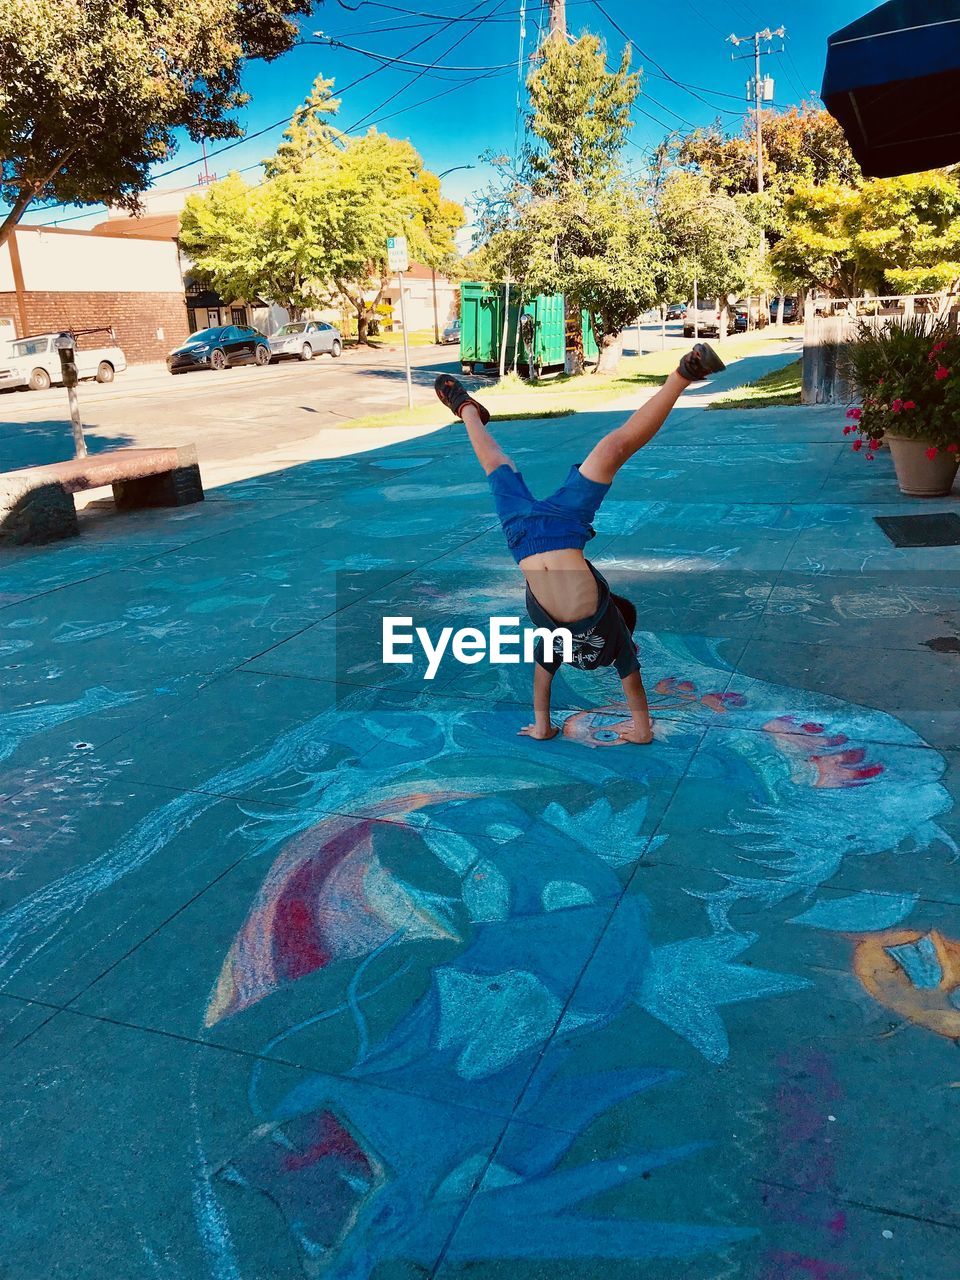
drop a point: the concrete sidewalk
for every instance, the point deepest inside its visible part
(315, 968)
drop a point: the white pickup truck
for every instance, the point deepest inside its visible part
(35, 363)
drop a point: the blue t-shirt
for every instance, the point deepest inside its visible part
(602, 640)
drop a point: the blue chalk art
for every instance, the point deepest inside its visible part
(429, 916)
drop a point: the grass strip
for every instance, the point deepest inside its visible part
(778, 389)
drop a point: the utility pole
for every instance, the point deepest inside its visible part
(760, 88)
(558, 17)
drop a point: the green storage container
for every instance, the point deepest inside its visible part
(481, 324)
(547, 347)
(590, 349)
(542, 346)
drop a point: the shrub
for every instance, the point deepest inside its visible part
(908, 376)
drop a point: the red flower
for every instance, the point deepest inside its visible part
(941, 372)
(869, 457)
(857, 446)
(909, 404)
(932, 452)
(880, 383)
(935, 350)
(896, 406)
(874, 444)
(953, 448)
(856, 414)
(848, 429)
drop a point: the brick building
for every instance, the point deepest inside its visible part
(53, 279)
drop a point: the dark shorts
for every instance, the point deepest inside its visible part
(534, 525)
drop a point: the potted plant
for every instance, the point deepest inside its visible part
(908, 375)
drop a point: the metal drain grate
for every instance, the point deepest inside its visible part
(941, 530)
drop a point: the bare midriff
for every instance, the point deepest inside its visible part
(562, 584)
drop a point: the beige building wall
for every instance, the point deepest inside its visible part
(77, 262)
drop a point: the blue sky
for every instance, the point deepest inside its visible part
(683, 41)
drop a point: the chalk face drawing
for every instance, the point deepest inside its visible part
(429, 915)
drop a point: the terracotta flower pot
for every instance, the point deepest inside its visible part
(918, 475)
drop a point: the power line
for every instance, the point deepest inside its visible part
(650, 116)
(790, 67)
(402, 62)
(283, 122)
(440, 17)
(486, 75)
(664, 72)
(703, 18)
(420, 74)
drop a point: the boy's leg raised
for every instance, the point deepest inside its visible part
(618, 446)
(474, 417)
(489, 454)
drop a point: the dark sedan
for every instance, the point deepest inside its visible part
(219, 348)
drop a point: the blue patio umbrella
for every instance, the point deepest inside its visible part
(892, 80)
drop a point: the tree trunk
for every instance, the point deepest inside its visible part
(20, 206)
(573, 323)
(363, 325)
(611, 349)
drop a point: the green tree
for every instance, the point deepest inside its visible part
(571, 221)
(708, 237)
(319, 227)
(220, 232)
(891, 234)
(382, 189)
(310, 133)
(907, 231)
(91, 91)
(801, 146)
(817, 247)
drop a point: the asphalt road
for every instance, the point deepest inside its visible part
(235, 414)
(245, 421)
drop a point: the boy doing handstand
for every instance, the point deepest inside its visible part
(546, 537)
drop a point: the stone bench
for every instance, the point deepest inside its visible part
(36, 504)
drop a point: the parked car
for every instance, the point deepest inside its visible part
(676, 310)
(451, 333)
(304, 339)
(791, 310)
(709, 314)
(749, 314)
(219, 348)
(34, 363)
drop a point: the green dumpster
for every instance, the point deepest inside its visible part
(542, 342)
(590, 349)
(543, 337)
(481, 325)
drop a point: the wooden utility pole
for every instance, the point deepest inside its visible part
(558, 17)
(758, 89)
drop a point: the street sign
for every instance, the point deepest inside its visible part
(397, 259)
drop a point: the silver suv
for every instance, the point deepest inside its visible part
(304, 339)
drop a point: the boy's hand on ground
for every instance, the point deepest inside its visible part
(640, 737)
(534, 731)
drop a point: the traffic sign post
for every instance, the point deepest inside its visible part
(398, 260)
